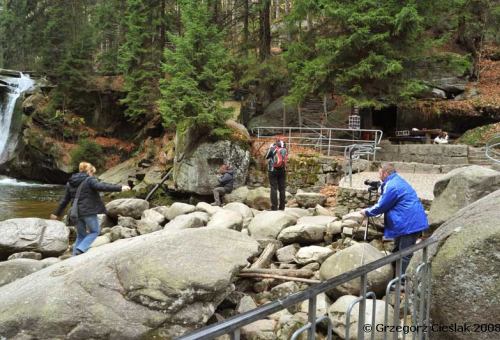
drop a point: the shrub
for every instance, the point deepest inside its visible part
(87, 151)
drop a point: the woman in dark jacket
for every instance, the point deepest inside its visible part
(89, 205)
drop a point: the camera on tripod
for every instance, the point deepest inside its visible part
(372, 185)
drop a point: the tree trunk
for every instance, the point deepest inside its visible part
(265, 30)
(245, 26)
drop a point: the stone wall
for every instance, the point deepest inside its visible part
(354, 199)
(306, 172)
(424, 153)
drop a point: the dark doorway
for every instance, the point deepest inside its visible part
(385, 119)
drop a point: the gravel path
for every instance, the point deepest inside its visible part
(422, 183)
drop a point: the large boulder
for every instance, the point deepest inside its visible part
(15, 269)
(465, 265)
(459, 188)
(243, 210)
(226, 219)
(162, 284)
(179, 208)
(197, 165)
(128, 207)
(309, 199)
(193, 220)
(302, 233)
(268, 224)
(350, 258)
(48, 237)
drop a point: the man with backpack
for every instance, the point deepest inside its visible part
(277, 157)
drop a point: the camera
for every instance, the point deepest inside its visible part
(372, 185)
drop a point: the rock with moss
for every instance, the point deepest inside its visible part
(164, 282)
(459, 188)
(464, 263)
(197, 163)
(16, 269)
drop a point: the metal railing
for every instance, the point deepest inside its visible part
(417, 296)
(355, 152)
(329, 141)
(493, 149)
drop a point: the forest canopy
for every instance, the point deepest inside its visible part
(182, 59)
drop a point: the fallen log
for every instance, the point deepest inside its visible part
(265, 257)
(279, 277)
(305, 273)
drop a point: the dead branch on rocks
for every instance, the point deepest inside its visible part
(279, 277)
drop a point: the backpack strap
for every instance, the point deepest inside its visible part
(79, 190)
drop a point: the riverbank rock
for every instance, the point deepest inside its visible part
(48, 237)
(459, 188)
(465, 264)
(128, 207)
(349, 259)
(156, 284)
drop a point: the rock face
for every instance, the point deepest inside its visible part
(459, 188)
(465, 264)
(134, 288)
(349, 259)
(196, 170)
(50, 238)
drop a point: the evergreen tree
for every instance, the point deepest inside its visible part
(140, 56)
(197, 79)
(110, 32)
(366, 50)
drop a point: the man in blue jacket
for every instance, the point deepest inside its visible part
(404, 215)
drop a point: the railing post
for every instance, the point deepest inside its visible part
(423, 294)
(235, 335)
(362, 308)
(397, 296)
(329, 140)
(311, 333)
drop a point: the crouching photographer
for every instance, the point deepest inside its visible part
(404, 215)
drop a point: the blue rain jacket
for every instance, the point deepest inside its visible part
(404, 213)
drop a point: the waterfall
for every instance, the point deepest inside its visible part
(15, 87)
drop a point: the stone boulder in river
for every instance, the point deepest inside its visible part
(163, 283)
(48, 237)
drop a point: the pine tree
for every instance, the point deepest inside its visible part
(197, 79)
(140, 56)
(366, 50)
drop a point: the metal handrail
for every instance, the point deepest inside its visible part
(322, 138)
(233, 324)
(490, 152)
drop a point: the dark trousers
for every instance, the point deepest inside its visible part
(404, 242)
(277, 181)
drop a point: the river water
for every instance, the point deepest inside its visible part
(27, 199)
